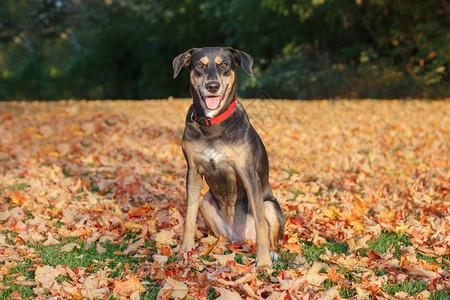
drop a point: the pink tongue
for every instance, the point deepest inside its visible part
(212, 102)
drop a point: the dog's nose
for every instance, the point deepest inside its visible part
(212, 86)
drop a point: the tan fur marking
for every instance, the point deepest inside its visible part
(229, 82)
(204, 60)
(218, 60)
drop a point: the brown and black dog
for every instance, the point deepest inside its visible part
(220, 145)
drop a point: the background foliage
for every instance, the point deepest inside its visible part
(112, 49)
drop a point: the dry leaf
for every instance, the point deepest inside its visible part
(50, 240)
(165, 237)
(127, 287)
(132, 248)
(227, 294)
(331, 293)
(179, 289)
(100, 249)
(313, 276)
(69, 247)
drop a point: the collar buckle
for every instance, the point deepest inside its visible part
(203, 121)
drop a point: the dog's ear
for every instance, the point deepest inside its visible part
(242, 59)
(182, 60)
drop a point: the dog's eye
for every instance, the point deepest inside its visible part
(223, 65)
(199, 66)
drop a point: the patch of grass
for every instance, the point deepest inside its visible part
(13, 236)
(387, 239)
(411, 287)
(210, 258)
(151, 292)
(19, 187)
(312, 252)
(347, 293)
(61, 278)
(285, 261)
(381, 272)
(20, 270)
(337, 247)
(23, 269)
(80, 257)
(24, 291)
(212, 294)
(328, 284)
(440, 295)
(238, 258)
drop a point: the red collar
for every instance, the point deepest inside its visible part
(217, 119)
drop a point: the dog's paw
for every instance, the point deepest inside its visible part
(263, 261)
(274, 256)
(186, 247)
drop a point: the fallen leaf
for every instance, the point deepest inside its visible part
(227, 294)
(50, 240)
(331, 293)
(165, 237)
(127, 287)
(100, 249)
(132, 248)
(69, 247)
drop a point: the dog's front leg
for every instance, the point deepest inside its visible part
(253, 188)
(193, 191)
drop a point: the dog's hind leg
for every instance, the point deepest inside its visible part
(210, 212)
(275, 222)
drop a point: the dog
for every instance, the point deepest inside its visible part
(222, 147)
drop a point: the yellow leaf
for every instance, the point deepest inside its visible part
(332, 212)
(358, 226)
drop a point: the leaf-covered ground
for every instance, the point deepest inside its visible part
(92, 202)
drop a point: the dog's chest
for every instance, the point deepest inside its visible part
(211, 156)
(210, 161)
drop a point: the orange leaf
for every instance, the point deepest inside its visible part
(16, 295)
(127, 287)
(333, 275)
(239, 269)
(139, 212)
(293, 248)
(16, 198)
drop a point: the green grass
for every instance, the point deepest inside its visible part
(411, 287)
(19, 187)
(337, 247)
(440, 295)
(312, 252)
(52, 255)
(212, 294)
(328, 284)
(285, 261)
(21, 269)
(25, 291)
(347, 293)
(386, 240)
(151, 291)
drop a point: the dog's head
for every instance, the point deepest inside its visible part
(213, 77)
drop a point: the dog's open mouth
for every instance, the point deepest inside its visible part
(213, 102)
